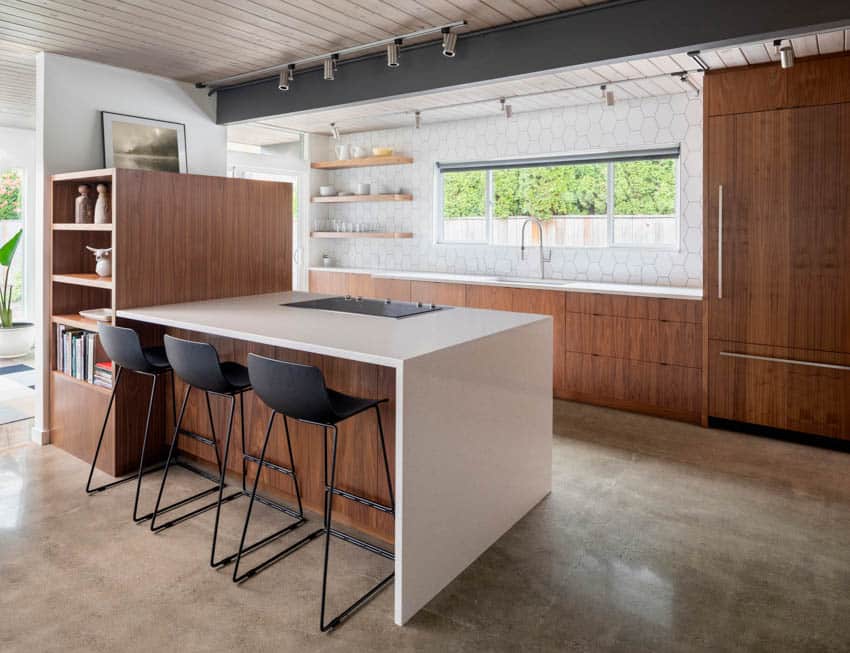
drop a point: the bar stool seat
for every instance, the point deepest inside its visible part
(236, 375)
(156, 358)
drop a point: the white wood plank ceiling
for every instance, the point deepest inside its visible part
(192, 40)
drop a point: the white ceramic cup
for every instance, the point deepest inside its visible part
(363, 189)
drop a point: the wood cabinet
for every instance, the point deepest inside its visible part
(173, 239)
(794, 389)
(777, 244)
(448, 294)
(636, 353)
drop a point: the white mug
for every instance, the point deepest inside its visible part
(342, 152)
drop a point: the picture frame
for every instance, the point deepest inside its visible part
(142, 143)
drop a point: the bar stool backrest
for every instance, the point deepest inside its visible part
(123, 347)
(295, 390)
(197, 363)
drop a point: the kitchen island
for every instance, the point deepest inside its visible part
(470, 400)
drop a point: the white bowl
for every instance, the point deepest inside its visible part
(327, 191)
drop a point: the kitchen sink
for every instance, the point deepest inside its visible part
(544, 282)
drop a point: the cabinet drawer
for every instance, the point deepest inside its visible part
(647, 308)
(365, 285)
(331, 283)
(794, 389)
(447, 294)
(652, 341)
(666, 390)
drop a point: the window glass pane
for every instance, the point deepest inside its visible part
(12, 219)
(645, 187)
(551, 193)
(648, 232)
(464, 206)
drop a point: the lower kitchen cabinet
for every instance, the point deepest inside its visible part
(793, 389)
(641, 354)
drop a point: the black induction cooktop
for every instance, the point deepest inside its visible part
(361, 306)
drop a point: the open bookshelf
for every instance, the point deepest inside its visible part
(157, 258)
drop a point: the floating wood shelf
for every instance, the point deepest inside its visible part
(72, 226)
(339, 199)
(76, 321)
(89, 280)
(363, 162)
(361, 234)
(83, 384)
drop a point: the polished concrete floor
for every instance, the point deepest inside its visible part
(657, 536)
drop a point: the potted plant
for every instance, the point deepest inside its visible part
(16, 338)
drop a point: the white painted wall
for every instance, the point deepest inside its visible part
(631, 124)
(17, 150)
(70, 94)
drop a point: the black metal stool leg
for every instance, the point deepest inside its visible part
(136, 517)
(244, 450)
(101, 488)
(386, 461)
(157, 511)
(221, 484)
(237, 577)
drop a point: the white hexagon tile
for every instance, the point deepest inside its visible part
(630, 124)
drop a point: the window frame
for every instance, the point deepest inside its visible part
(609, 158)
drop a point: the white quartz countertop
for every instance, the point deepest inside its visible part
(365, 338)
(665, 292)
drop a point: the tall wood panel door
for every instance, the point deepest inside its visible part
(778, 241)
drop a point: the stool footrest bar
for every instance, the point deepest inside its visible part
(389, 555)
(266, 463)
(358, 499)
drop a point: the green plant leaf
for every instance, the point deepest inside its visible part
(7, 251)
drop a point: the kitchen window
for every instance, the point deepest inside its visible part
(620, 199)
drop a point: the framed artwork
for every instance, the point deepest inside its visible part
(143, 143)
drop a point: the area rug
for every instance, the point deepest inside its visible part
(17, 393)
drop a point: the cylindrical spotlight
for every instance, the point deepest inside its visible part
(286, 77)
(449, 42)
(786, 56)
(509, 111)
(417, 120)
(393, 51)
(334, 131)
(330, 67)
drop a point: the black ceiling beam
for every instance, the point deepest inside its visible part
(617, 30)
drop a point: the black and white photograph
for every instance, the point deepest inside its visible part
(143, 143)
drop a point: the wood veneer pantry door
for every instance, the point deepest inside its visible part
(783, 275)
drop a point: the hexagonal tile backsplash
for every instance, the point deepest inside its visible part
(637, 123)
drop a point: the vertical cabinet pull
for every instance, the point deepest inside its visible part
(720, 241)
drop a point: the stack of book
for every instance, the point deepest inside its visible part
(75, 354)
(103, 374)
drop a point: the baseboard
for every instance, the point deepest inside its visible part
(40, 436)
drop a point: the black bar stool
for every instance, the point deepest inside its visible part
(299, 392)
(124, 349)
(197, 363)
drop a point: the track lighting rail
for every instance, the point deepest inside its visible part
(260, 73)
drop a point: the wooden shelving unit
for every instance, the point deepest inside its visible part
(361, 234)
(87, 279)
(76, 321)
(347, 199)
(363, 162)
(71, 226)
(157, 258)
